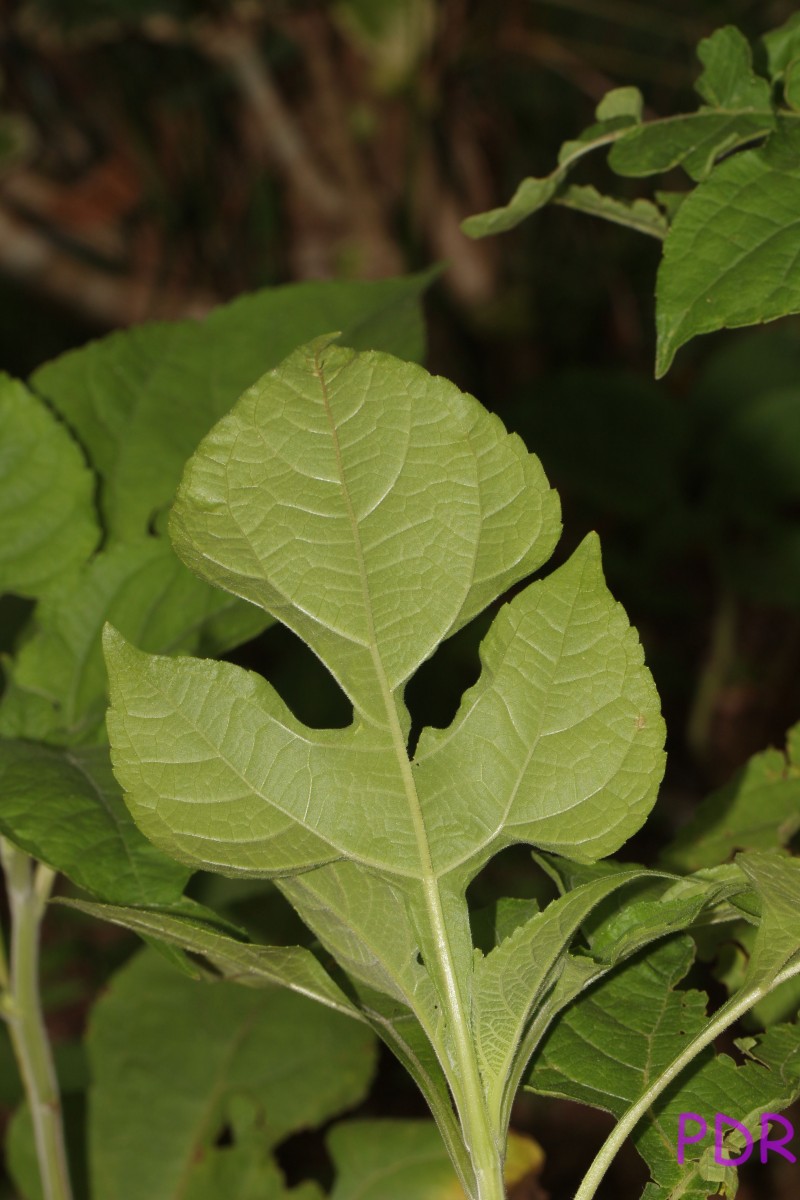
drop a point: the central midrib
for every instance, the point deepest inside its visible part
(452, 994)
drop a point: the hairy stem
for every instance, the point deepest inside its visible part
(724, 1017)
(29, 888)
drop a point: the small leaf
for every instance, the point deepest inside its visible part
(739, 110)
(620, 102)
(782, 46)
(46, 496)
(65, 808)
(170, 1058)
(726, 255)
(728, 80)
(532, 194)
(510, 981)
(642, 215)
(759, 809)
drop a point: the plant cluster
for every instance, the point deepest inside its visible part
(327, 482)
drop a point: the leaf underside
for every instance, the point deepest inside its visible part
(375, 510)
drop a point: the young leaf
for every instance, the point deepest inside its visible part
(375, 510)
(114, 393)
(738, 109)
(728, 80)
(166, 1086)
(64, 807)
(46, 496)
(759, 809)
(642, 215)
(617, 112)
(596, 1056)
(726, 255)
(510, 982)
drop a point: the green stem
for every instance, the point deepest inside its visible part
(29, 888)
(724, 1017)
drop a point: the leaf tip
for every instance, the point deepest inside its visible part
(117, 651)
(589, 551)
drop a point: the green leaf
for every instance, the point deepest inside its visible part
(728, 80)
(759, 809)
(375, 510)
(46, 496)
(739, 110)
(594, 1057)
(292, 967)
(510, 981)
(641, 215)
(57, 682)
(791, 85)
(726, 254)
(64, 807)
(694, 141)
(398, 1160)
(173, 1061)
(782, 46)
(244, 1170)
(532, 194)
(346, 460)
(620, 102)
(776, 880)
(114, 393)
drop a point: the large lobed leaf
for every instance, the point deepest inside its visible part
(375, 510)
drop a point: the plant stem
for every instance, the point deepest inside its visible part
(29, 888)
(725, 1016)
